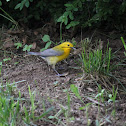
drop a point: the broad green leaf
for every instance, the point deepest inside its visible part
(0, 3)
(27, 48)
(30, 46)
(18, 45)
(42, 49)
(66, 21)
(48, 44)
(46, 38)
(27, 4)
(75, 9)
(66, 13)
(68, 5)
(71, 16)
(22, 5)
(60, 19)
(63, 18)
(72, 24)
(17, 6)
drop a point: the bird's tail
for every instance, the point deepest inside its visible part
(34, 53)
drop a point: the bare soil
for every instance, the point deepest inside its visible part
(50, 89)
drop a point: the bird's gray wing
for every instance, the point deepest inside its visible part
(47, 52)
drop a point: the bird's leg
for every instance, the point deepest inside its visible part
(49, 67)
(65, 61)
(58, 74)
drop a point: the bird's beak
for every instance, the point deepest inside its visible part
(73, 48)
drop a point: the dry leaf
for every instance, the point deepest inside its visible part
(33, 45)
(8, 43)
(25, 38)
(35, 33)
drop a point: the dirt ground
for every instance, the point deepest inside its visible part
(50, 89)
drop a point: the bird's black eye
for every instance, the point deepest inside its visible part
(68, 45)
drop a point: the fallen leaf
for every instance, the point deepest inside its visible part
(8, 43)
(33, 45)
(24, 39)
(35, 33)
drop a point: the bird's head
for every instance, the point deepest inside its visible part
(67, 45)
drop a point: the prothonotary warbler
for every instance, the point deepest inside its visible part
(55, 54)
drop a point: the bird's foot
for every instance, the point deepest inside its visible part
(62, 75)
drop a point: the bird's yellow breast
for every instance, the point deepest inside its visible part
(54, 59)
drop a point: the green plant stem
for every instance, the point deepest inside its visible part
(8, 17)
(108, 66)
(61, 31)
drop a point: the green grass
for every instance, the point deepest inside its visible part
(9, 105)
(124, 44)
(10, 110)
(97, 61)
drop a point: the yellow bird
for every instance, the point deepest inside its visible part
(55, 54)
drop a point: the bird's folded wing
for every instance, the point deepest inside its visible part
(51, 52)
(47, 53)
